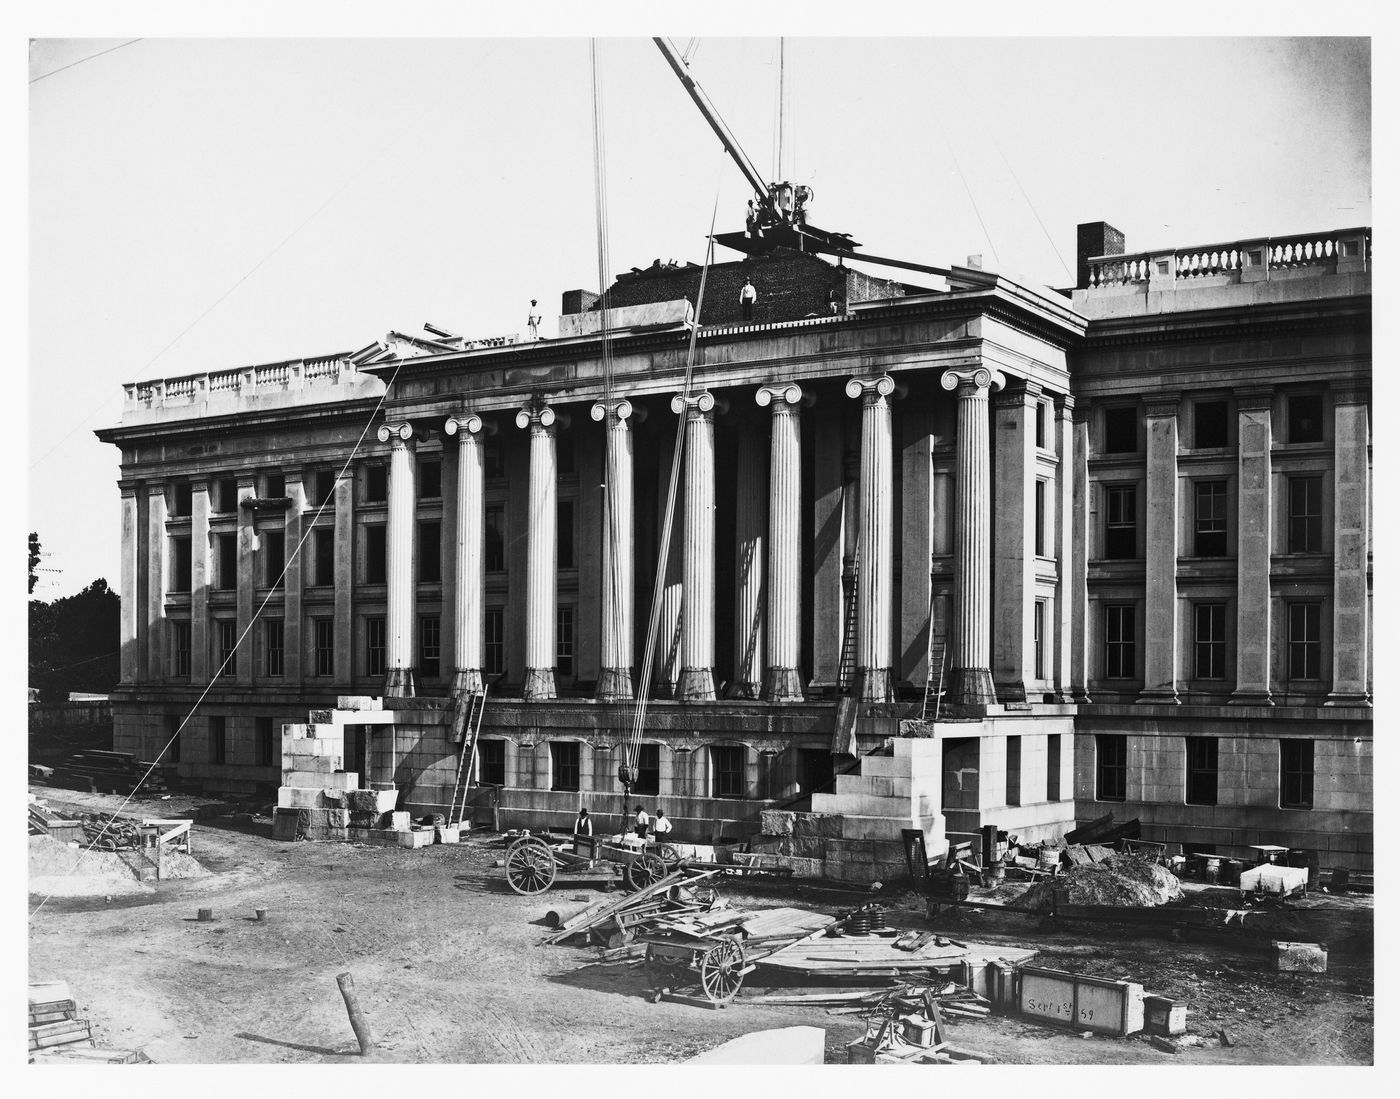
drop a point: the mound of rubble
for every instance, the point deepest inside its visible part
(1121, 880)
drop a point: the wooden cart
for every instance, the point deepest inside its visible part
(715, 963)
(533, 864)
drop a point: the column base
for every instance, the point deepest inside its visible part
(874, 685)
(746, 691)
(970, 687)
(1165, 696)
(783, 685)
(1064, 698)
(1251, 698)
(398, 683)
(614, 685)
(539, 684)
(1347, 698)
(468, 681)
(664, 689)
(696, 685)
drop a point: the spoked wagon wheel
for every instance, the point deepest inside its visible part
(669, 854)
(530, 866)
(645, 870)
(721, 971)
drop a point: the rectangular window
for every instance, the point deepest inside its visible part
(1210, 641)
(564, 755)
(1013, 770)
(325, 646)
(727, 778)
(430, 646)
(648, 770)
(1202, 769)
(1295, 780)
(273, 654)
(1120, 641)
(274, 557)
(376, 483)
(492, 466)
(226, 567)
(1305, 418)
(376, 555)
(226, 495)
(1120, 430)
(182, 501)
(374, 646)
(491, 762)
(1111, 767)
(429, 480)
(218, 740)
(181, 632)
(1305, 641)
(180, 564)
(494, 534)
(266, 735)
(274, 486)
(1305, 514)
(172, 738)
(323, 557)
(430, 552)
(1038, 637)
(226, 646)
(1040, 518)
(1040, 424)
(1210, 518)
(495, 650)
(564, 641)
(1052, 767)
(565, 531)
(323, 487)
(1212, 425)
(1120, 528)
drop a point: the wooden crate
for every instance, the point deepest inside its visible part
(1085, 1003)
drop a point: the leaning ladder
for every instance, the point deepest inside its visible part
(846, 671)
(937, 644)
(466, 762)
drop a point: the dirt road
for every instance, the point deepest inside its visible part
(448, 967)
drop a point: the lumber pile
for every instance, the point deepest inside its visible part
(908, 1025)
(58, 1035)
(615, 921)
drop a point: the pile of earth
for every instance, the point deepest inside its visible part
(67, 870)
(1120, 880)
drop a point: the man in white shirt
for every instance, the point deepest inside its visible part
(662, 828)
(747, 296)
(642, 822)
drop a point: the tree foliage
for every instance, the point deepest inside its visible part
(33, 559)
(74, 642)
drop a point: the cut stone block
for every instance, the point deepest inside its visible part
(776, 822)
(400, 821)
(371, 801)
(319, 717)
(326, 780)
(1300, 957)
(421, 838)
(448, 833)
(300, 797)
(816, 824)
(358, 702)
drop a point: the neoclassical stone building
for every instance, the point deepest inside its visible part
(1073, 551)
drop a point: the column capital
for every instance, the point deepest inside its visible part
(780, 396)
(878, 385)
(467, 424)
(967, 380)
(1357, 392)
(622, 411)
(1255, 399)
(1064, 403)
(1160, 406)
(395, 433)
(155, 488)
(1020, 391)
(698, 404)
(539, 414)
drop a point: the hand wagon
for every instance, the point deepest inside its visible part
(534, 864)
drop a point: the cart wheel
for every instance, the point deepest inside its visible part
(645, 870)
(530, 866)
(670, 855)
(721, 971)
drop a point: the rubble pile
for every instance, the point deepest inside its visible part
(1120, 880)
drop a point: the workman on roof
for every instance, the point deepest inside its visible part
(747, 296)
(642, 822)
(535, 319)
(584, 825)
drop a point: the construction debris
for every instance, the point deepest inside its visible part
(1118, 880)
(57, 1035)
(1300, 957)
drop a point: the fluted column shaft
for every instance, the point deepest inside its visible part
(750, 564)
(874, 547)
(469, 573)
(697, 679)
(615, 675)
(128, 585)
(398, 675)
(783, 682)
(542, 552)
(970, 680)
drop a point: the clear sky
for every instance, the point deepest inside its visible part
(206, 203)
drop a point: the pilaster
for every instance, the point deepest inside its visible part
(129, 584)
(247, 565)
(1078, 571)
(1253, 633)
(199, 580)
(1013, 544)
(1066, 594)
(292, 590)
(1351, 544)
(344, 576)
(157, 581)
(1161, 663)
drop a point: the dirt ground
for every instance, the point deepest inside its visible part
(448, 967)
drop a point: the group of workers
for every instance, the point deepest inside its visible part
(659, 828)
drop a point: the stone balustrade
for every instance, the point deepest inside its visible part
(270, 377)
(1253, 259)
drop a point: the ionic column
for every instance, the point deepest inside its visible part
(697, 679)
(542, 552)
(1351, 543)
(156, 581)
(783, 682)
(1254, 597)
(615, 674)
(398, 675)
(970, 677)
(1160, 663)
(129, 585)
(1066, 576)
(874, 545)
(469, 575)
(750, 562)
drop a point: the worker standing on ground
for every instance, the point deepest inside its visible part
(642, 822)
(747, 296)
(662, 827)
(584, 825)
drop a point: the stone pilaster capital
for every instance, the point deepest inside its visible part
(129, 489)
(466, 425)
(540, 415)
(622, 410)
(783, 398)
(1020, 392)
(969, 381)
(1358, 392)
(1064, 404)
(697, 405)
(155, 488)
(396, 434)
(1256, 399)
(1161, 406)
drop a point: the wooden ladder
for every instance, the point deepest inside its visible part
(937, 649)
(846, 673)
(466, 761)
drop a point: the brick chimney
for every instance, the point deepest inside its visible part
(1096, 238)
